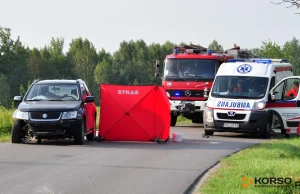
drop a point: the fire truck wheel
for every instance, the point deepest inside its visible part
(173, 120)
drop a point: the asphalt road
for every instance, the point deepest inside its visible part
(114, 167)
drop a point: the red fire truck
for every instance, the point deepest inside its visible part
(187, 77)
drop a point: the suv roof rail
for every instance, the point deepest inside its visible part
(78, 80)
(35, 81)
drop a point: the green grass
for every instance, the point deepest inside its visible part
(6, 137)
(6, 122)
(182, 120)
(274, 158)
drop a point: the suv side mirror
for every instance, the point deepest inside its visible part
(157, 68)
(18, 98)
(89, 99)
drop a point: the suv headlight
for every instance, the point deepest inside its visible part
(69, 115)
(20, 115)
(259, 105)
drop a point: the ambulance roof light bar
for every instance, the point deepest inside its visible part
(265, 61)
(280, 60)
(270, 60)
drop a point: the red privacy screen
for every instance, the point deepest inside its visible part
(134, 113)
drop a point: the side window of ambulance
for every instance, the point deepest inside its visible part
(278, 91)
(291, 88)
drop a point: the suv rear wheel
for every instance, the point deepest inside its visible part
(79, 135)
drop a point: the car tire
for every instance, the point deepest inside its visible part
(79, 135)
(16, 132)
(207, 132)
(266, 131)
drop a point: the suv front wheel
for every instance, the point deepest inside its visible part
(79, 135)
(16, 132)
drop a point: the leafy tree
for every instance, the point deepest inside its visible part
(270, 49)
(13, 62)
(215, 46)
(5, 91)
(291, 51)
(59, 60)
(40, 65)
(83, 56)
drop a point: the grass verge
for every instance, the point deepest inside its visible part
(5, 137)
(6, 122)
(183, 120)
(274, 158)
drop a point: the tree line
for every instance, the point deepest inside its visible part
(132, 64)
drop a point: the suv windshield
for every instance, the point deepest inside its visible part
(189, 69)
(240, 87)
(53, 92)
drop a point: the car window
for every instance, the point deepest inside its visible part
(278, 91)
(291, 88)
(53, 92)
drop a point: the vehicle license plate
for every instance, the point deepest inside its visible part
(231, 125)
(188, 102)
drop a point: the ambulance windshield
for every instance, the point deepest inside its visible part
(190, 70)
(245, 87)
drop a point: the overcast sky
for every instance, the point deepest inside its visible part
(107, 23)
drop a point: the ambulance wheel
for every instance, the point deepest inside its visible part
(79, 135)
(207, 132)
(173, 119)
(266, 131)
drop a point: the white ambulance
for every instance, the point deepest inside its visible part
(248, 96)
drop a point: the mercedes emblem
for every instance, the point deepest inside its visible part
(188, 93)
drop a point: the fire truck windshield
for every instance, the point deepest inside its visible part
(189, 69)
